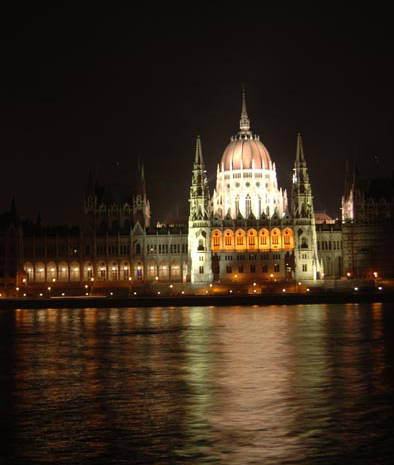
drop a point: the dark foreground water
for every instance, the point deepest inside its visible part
(241, 385)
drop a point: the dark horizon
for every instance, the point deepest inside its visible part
(96, 89)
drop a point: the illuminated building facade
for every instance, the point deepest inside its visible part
(248, 230)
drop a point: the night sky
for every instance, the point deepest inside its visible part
(96, 88)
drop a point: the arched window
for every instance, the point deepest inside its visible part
(63, 271)
(228, 239)
(175, 270)
(163, 271)
(216, 241)
(200, 244)
(288, 239)
(40, 272)
(74, 271)
(126, 271)
(276, 239)
(51, 272)
(237, 206)
(264, 242)
(114, 272)
(240, 239)
(304, 243)
(152, 270)
(252, 239)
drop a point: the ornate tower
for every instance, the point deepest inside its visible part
(307, 265)
(141, 205)
(199, 243)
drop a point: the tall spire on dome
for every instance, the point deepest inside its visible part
(244, 123)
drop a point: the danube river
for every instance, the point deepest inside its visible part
(303, 384)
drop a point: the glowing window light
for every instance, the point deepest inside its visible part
(157, 278)
(111, 293)
(63, 269)
(283, 290)
(86, 293)
(254, 284)
(113, 268)
(86, 286)
(182, 292)
(76, 269)
(17, 288)
(52, 270)
(40, 294)
(89, 268)
(129, 278)
(134, 293)
(63, 293)
(49, 288)
(254, 290)
(206, 292)
(171, 286)
(125, 268)
(158, 292)
(24, 294)
(92, 279)
(210, 285)
(308, 290)
(231, 291)
(53, 280)
(380, 288)
(356, 289)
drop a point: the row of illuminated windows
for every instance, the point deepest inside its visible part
(252, 239)
(263, 256)
(166, 248)
(63, 271)
(252, 268)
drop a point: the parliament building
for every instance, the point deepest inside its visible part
(248, 230)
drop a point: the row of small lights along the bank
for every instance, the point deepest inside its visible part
(171, 286)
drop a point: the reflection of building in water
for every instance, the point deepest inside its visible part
(248, 228)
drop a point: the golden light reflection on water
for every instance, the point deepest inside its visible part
(228, 385)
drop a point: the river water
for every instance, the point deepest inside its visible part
(303, 384)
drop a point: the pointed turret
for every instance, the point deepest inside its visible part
(307, 264)
(302, 199)
(244, 123)
(198, 156)
(141, 204)
(199, 242)
(199, 190)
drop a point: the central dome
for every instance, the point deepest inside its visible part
(245, 152)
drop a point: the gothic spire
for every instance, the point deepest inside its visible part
(302, 200)
(300, 150)
(244, 123)
(198, 160)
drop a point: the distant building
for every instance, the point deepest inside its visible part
(368, 226)
(247, 230)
